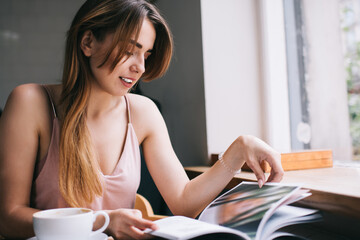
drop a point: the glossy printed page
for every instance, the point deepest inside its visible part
(243, 207)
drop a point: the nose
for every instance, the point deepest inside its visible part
(138, 64)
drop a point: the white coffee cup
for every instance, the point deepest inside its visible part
(67, 223)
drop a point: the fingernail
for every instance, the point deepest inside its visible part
(261, 183)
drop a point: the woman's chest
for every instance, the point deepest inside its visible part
(109, 141)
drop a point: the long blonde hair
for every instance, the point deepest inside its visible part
(79, 180)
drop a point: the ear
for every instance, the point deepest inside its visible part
(87, 43)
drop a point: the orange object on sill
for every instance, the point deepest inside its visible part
(309, 159)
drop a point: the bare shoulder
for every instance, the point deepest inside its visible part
(139, 102)
(27, 101)
(142, 108)
(26, 90)
(26, 94)
(145, 115)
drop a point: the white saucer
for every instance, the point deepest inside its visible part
(99, 236)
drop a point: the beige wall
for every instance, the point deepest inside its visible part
(231, 71)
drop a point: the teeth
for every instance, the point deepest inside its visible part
(126, 80)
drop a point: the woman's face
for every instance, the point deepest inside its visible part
(128, 71)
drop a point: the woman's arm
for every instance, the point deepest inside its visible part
(186, 197)
(25, 114)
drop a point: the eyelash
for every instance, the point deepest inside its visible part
(131, 54)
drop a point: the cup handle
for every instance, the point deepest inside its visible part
(107, 221)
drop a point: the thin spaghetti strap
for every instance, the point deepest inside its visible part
(128, 108)
(50, 98)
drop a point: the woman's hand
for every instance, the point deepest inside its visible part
(128, 224)
(253, 151)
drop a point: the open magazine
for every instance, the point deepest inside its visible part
(244, 212)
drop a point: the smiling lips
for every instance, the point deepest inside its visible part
(126, 80)
(128, 83)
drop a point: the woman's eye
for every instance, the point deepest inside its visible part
(129, 53)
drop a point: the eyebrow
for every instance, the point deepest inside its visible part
(139, 45)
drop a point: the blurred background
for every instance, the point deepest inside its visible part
(286, 71)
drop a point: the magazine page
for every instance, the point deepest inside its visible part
(285, 216)
(179, 227)
(296, 195)
(243, 208)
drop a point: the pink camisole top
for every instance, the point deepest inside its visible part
(119, 189)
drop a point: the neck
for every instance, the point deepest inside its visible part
(101, 103)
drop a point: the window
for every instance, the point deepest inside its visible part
(298, 99)
(287, 75)
(319, 115)
(350, 29)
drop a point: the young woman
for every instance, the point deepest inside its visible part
(77, 144)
